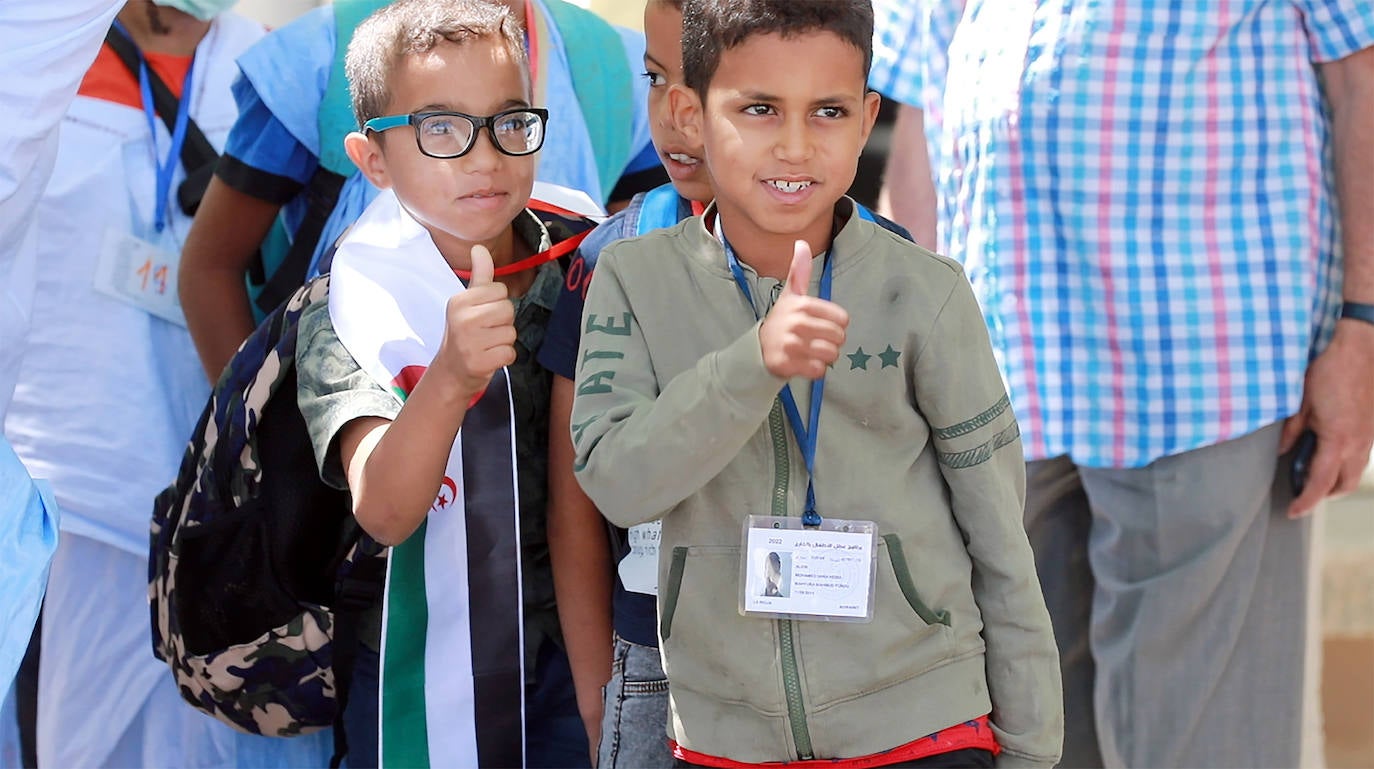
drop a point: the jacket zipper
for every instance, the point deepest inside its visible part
(777, 430)
(791, 680)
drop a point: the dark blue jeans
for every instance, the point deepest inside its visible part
(555, 737)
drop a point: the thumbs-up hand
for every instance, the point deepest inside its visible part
(802, 334)
(479, 337)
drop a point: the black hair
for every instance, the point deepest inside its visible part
(712, 27)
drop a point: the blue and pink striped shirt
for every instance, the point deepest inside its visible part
(1141, 193)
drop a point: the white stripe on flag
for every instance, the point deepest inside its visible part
(448, 642)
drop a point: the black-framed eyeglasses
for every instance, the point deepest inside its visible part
(444, 135)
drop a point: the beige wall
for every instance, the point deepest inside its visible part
(629, 13)
(275, 13)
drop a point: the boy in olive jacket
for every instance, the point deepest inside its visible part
(826, 438)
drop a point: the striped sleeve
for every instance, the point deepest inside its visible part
(1337, 28)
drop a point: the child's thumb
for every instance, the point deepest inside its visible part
(799, 275)
(482, 267)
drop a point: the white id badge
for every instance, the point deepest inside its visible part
(639, 569)
(788, 571)
(139, 273)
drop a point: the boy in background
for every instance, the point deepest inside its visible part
(902, 489)
(609, 618)
(403, 354)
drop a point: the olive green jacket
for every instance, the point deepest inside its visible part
(677, 418)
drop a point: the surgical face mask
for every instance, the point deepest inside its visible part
(201, 9)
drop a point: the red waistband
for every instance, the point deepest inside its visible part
(974, 734)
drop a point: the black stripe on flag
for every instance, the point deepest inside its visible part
(493, 576)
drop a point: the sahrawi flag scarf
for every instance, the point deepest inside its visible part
(452, 679)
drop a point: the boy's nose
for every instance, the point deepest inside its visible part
(794, 141)
(483, 156)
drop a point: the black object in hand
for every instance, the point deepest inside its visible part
(1302, 461)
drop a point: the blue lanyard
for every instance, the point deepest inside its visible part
(806, 436)
(165, 169)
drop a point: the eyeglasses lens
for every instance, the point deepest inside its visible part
(446, 135)
(519, 133)
(516, 133)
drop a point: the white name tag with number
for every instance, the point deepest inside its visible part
(639, 568)
(139, 273)
(789, 571)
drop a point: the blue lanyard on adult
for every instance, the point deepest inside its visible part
(805, 433)
(165, 169)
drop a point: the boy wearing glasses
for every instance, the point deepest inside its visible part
(402, 354)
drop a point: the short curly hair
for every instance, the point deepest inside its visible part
(409, 27)
(712, 27)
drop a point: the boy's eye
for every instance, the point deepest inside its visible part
(758, 109)
(832, 112)
(439, 126)
(655, 79)
(514, 124)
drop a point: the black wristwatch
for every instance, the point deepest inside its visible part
(1358, 311)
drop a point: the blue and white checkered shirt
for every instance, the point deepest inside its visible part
(1142, 196)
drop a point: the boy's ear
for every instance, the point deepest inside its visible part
(687, 111)
(367, 155)
(872, 102)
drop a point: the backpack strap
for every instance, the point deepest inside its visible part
(603, 83)
(198, 155)
(882, 221)
(359, 588)
(658, 209)
(288, 274)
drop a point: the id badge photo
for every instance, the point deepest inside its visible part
(825, 573)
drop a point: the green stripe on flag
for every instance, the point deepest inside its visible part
(405, 734)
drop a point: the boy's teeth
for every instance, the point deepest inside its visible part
(790, 186)
(686, 160)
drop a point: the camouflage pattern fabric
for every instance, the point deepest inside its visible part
(282, 682)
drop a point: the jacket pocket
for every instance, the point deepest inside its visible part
(843, 660)
(671, 592)
(902, 572)
(708, 647)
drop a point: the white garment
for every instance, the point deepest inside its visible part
(101, 703)
(45, 48)
(108, 702)
(106, 399)
(108, 393)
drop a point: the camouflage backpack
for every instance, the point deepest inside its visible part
(257, 570)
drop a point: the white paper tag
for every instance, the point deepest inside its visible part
(639, 568)
(809, 573)
(139, 273)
